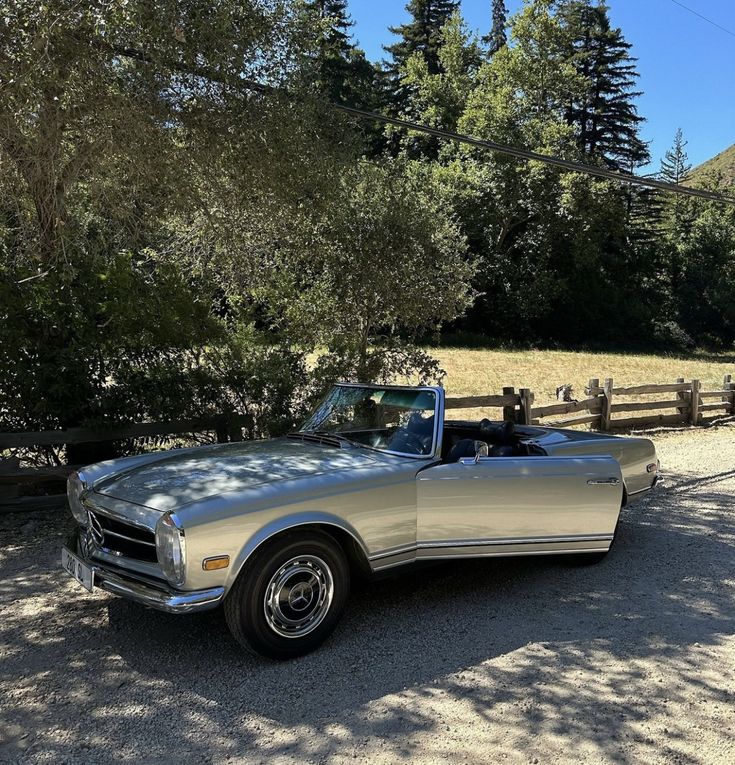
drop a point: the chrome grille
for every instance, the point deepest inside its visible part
(121, 538)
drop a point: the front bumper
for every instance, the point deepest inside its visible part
(154, 595)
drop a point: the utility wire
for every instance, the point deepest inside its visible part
(564, 164)
(512, 151)
(709, 21)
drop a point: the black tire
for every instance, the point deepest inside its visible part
(589, 559)
(289, 596)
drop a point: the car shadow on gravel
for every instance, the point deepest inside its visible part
(426, 635)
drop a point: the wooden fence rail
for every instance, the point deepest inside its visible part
(14, 478)
(603, 402)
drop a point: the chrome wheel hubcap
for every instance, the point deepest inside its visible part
(298, 596)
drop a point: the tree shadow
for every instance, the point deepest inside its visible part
(162, 687)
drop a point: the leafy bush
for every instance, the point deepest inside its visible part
(671, 336)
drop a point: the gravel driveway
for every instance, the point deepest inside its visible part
(630, 661)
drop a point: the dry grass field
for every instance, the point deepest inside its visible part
(476, 372)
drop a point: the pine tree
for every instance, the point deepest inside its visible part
(337, 68)
(675, 165)
(677, 214)
(422, 34)
(603, 111)
(497, 37)
(676, 211)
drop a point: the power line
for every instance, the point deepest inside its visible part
(709, 21)
(512, 151)
(563, 164)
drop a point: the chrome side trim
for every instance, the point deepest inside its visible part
(481, 548)
(518, 553)
(392, 551)
(518, 541)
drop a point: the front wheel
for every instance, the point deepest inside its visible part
(289, 596)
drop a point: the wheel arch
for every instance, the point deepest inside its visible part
(343, 533)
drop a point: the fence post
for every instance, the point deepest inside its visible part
(592, 383)
(728, 385)
(681, 395)
(526, 413)
(607, 394)
(694, 411)
(509, 412)
(222, 430)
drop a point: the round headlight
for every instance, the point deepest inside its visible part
(76, 488)
(171, 548)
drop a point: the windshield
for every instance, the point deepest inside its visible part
(389, 419)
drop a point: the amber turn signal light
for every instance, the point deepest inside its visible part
(218, 562)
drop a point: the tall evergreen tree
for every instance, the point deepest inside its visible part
(603, 110)
(336, 67)
(675, 165)
(677, 212)
(497, 37)
(676, 217)
(422, 34)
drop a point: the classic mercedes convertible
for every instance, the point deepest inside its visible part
(376, 478)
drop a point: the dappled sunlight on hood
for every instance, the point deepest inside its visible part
(196, 474)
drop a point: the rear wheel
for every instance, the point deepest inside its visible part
(290, 595)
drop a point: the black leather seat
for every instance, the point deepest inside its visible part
(467, 447)
(497, 432)
(500, 436)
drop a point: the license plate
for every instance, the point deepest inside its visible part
(83, 573)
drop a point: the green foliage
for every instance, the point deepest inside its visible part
(497, 37)
(604, 110)
(707, 284)
(385, 266)
(422, 35)
(331, 63)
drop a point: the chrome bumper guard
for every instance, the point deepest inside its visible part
(162, 598)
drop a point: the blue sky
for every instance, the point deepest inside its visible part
(687, 66)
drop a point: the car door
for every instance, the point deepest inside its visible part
(517, 505)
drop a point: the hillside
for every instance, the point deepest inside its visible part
(723, 163)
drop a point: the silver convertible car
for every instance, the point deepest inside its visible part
(375, 479)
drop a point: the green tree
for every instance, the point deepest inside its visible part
(705, 292)
(139, 180)
(440, 99)
(382, 264)
(603, 111)
(497, 37)
(422, 35)
(83, 84)
(331, 62)
(557, 252)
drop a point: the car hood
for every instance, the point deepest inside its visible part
(191, 475)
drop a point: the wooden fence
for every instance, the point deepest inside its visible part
(15, 480)
(678, 403)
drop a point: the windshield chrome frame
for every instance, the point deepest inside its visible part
(438, 416)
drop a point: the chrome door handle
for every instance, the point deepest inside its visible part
(601, 481)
